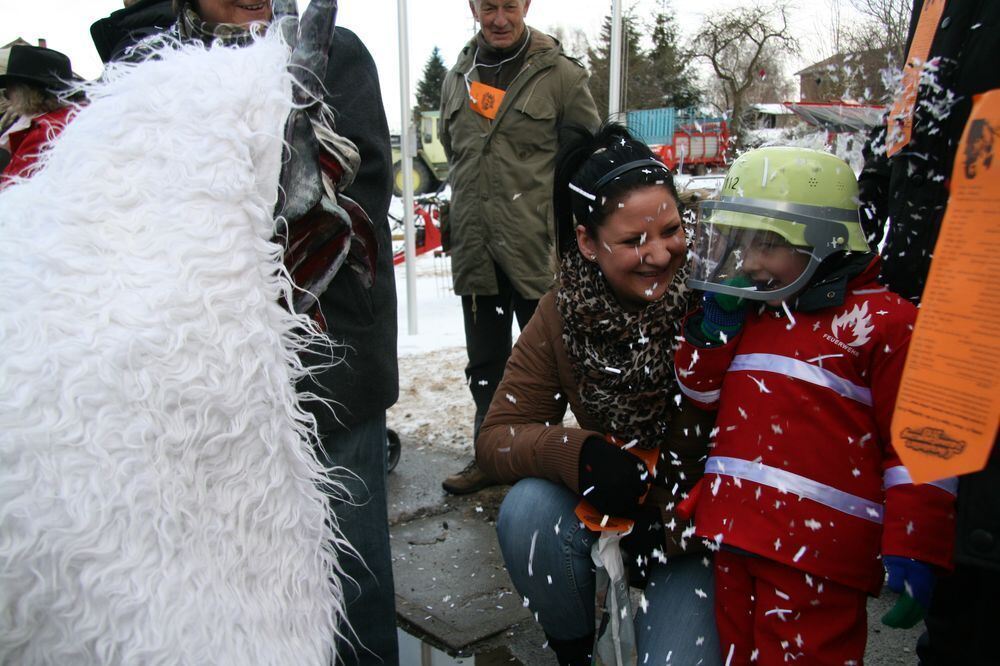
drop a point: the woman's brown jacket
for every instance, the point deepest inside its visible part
(523, 434)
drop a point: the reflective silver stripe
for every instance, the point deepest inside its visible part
(807, 372)
(707, 397)
(797, 485)
(898, 475)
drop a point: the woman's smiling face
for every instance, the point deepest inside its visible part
(639, 247)
(239, 12)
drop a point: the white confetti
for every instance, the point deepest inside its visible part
(788, 312)
(798, 555)
(531, 553)
(512, 399)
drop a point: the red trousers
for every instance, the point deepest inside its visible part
(770, 614)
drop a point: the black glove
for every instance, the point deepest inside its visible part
(611, 479)
(644, 545)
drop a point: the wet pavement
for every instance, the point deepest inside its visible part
(455, 602)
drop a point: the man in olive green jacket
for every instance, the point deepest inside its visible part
(502, 106)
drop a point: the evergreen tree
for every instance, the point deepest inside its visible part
(600, 64)
(667, 74)
(429, 87)
(653, 78)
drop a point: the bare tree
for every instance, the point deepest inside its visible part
(574, 41)
(885, 25)
(735, 44)
(864, 55)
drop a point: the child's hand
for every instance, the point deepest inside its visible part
(914, 580)
(722, 315)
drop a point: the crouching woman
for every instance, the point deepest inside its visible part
(601, 343)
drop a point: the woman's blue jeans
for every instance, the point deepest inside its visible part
(557, 578)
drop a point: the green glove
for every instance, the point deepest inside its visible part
(722, 314)
(733, 303)
(905, 614)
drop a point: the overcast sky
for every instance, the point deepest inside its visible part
(446, 24)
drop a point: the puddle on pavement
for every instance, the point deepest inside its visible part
(415, 652)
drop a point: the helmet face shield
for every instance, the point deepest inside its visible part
(753, 252)
(781, 212)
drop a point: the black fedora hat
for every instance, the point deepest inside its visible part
(39, 66)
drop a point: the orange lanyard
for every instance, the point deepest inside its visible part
(900, 122)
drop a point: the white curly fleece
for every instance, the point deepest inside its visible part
(159, 495)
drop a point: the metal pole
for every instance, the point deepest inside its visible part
(406, 165)
(615, 63)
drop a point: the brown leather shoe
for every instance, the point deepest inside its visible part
(470, 480)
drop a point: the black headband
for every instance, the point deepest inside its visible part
(628, 166)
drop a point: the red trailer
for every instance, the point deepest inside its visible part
(697, 146)
(682, 139)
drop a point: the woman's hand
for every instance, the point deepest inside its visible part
(611, 479)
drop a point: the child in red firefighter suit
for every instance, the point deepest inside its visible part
(803, 495)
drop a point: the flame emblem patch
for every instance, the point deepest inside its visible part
(856, 322)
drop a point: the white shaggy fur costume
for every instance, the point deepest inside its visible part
(160, 500)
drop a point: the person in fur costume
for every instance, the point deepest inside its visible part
(161, 501)
(360, 318)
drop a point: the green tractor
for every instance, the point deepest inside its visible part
(430, 165)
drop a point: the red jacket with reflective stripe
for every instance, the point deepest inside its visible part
(810, 404)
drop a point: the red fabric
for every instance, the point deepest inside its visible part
(777, 420)
(769, 614)
(26, 145)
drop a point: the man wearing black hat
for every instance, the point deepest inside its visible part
(35, 77)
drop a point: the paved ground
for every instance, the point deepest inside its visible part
(452, 590)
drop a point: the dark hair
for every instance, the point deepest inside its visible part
(594, 172)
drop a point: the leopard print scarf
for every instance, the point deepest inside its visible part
(623, 361)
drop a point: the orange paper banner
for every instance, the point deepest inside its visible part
(900, 122)
(948, 406)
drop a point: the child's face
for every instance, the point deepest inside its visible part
(772, 262)
(639, 247)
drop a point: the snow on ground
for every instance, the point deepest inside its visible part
(435, 407)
